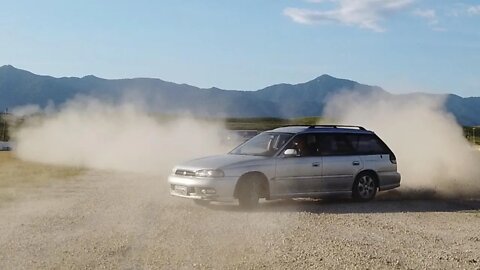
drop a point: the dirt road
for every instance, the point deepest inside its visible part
(128, 221)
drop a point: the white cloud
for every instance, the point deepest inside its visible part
(361, 13)
(429, 14)
(474, 10)
(439, 29)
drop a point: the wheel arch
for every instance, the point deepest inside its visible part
(259, 176)
(370, 172)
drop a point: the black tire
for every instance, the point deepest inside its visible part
(201, 202)
(365, 187)
(249, 193)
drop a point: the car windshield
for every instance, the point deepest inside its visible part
(264, 144)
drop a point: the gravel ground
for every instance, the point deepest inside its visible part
(128, 221)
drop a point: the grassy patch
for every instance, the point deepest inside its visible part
(18, 177)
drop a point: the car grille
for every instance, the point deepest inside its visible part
(185, 172)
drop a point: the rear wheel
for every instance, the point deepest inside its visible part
(249, 193)
(364, 187)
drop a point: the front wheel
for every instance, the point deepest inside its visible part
(364, 187)
(249, 194)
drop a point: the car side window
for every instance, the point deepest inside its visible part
(333, 145)
(279, 141)
(305, 144)
(367, 144)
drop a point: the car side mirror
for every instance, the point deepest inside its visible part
(290, 153)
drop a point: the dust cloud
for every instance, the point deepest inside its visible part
(27, 110)
(431, 150)
(89, 133)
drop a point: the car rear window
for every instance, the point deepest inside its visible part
(365, 144)
(333, 145)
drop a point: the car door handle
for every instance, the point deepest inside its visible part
(316, 164)
(356, 163)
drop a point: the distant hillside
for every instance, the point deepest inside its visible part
(20, 87)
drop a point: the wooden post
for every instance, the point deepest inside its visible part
(4, 125)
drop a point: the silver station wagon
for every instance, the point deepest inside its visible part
(292, 162)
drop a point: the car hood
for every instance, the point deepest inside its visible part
(216, 162)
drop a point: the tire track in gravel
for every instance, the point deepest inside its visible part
(128, 221)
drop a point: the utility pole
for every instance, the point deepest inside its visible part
(474, 140)
(4, 125)
(2, 118)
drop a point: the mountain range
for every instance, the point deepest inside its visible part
(20, 87)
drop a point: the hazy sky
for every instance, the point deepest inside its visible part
(401, 45)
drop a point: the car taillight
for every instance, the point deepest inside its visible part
(393, 159)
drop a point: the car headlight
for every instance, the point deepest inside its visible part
(209, 173)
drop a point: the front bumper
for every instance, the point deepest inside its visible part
(201, 188)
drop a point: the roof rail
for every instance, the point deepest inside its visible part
(294, 125)
(337, 126)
